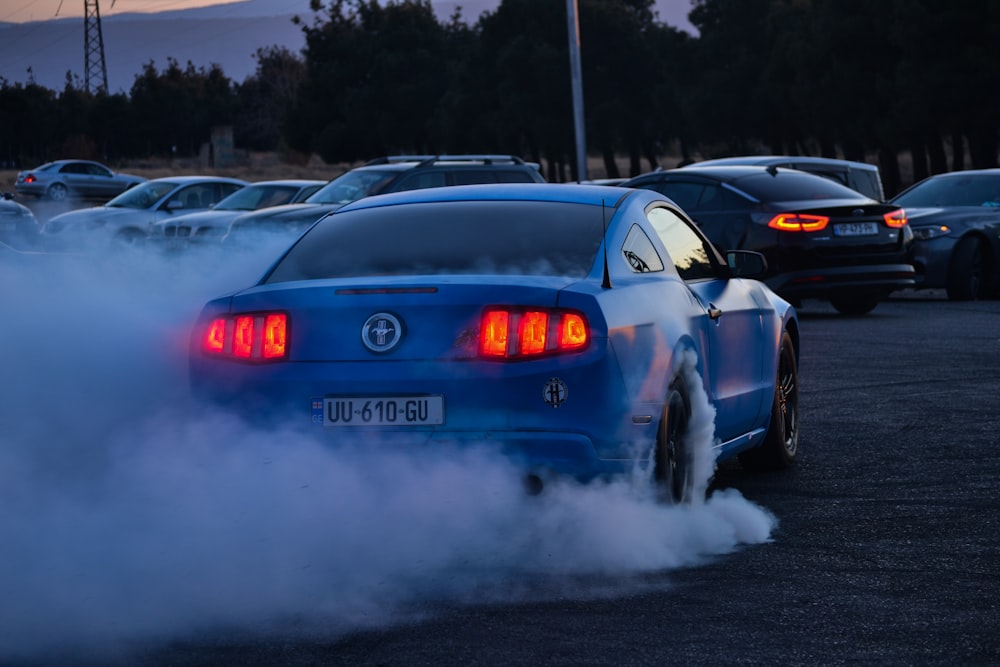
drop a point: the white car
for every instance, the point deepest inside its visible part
(130, 216)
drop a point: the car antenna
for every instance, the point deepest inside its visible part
(606, 283)
(772, 169)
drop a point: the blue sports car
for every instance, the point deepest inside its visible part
(567, 325)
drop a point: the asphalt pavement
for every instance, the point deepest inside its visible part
(887, 550)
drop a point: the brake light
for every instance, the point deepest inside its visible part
(798, 222)
(520, 333)
(249, 336)
(896, 218)
(30, 178)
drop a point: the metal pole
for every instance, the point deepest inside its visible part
(577, 80)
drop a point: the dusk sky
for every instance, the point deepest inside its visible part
(22, 11)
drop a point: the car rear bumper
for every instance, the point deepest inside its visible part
(825, 281)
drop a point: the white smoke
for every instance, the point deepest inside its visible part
(129, 518)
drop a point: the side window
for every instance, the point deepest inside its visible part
(472, 177)
(97, 170)
(639, 252)
(514, 176)
(421, 180)
(223, 191)
(686, 248)
(74, 168)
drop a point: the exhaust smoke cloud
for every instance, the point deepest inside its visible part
(130, 517)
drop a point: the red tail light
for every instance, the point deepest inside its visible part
(798, 222)
(250, 336)
(516, 333)
(896, 218)
(30, 178)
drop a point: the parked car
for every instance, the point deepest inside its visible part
(130, 216)
(569, 326)
(860, 176)
(379, 176)
(18, 225)
(78, 179)
(956, 222)
(821, 239)
(211, 225)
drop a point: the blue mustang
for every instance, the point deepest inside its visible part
(556, 322)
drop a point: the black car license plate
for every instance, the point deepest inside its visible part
(856, 229)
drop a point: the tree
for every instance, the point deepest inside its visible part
(375, 77)
(175, 110)
(265, 98)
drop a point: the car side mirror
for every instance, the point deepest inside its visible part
(746, 264)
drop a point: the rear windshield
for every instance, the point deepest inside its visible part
(793, 186)
(532, 238)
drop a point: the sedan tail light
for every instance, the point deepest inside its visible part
(521, 333)
(248, 336)
(798, 222)
(896, 218)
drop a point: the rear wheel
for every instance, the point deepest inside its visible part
(673, 467)
(969, 275)
(854, 304)
(781, 443)
(58, 192)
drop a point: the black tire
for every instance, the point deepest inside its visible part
(129, 237)
(854, 304)
(781, 444)
(969, 275)
(58, 192)
(673, 472)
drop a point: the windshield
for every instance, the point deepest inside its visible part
(481, 237)
(351, 186)
(254, 197)
(791, 185)
(143, 196)
(953, 190)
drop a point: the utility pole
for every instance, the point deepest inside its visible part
(577, 80)
(95, 74)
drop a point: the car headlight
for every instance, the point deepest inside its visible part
(927, 233)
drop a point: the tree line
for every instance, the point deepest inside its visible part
(870, 80)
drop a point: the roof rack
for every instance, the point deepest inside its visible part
(431, 159)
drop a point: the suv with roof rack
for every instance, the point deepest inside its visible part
(394, 173)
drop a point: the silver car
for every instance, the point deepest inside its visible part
(211, 225)
(130, 216)
(74, 179)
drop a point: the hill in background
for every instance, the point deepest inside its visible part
(228, 35)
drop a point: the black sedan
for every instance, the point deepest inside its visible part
(821, 239)
(956, 223)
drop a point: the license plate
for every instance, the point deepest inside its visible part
(856, 229)
(378, 410)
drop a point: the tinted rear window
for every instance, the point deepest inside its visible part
(533, 238)
(792, 186)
